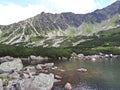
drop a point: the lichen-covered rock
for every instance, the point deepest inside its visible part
(16, 64)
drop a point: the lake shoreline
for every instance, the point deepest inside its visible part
(38, 59)
(61, 72)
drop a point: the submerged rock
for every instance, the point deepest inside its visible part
(82, 70)
(93, 59)
(68, 86)
(12, 65)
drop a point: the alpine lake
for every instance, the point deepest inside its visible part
(101, 74)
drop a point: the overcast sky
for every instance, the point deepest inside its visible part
(15, 10)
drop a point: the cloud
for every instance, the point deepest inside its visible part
(13, 13)
(76, 6)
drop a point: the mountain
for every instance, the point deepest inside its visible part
(64, 29)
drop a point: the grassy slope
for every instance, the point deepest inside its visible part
(105, 41)
(90, 28)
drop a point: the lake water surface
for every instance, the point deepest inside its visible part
(101, 74)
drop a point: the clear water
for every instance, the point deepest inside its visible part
(101, 74)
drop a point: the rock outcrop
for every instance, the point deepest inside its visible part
(16, 64)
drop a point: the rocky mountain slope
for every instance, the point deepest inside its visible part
(55, 30)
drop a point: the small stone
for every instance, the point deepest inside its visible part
(82, 70)
(61, 70)
(68, 86)
(93, 59)
(49, 65)
(58, 77)
(25, 76)
(54, 68)
(39, 67)
(31, 68)
(56, 80)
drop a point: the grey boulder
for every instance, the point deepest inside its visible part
(40, 82)
(16, 64)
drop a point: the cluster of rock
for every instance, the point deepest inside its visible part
(75, 56)
(14, 76)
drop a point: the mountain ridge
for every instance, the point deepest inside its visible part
(43, 29)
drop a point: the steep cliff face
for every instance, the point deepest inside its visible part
(48, 29)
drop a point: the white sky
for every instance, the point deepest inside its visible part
(14, 12)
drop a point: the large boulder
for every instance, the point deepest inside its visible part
(43, 81)
(40, 82)
(16, 64)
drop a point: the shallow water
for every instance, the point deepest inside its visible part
(101, 74)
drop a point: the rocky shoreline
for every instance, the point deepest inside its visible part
(14, 75)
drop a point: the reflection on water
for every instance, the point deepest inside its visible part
(101, 75)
